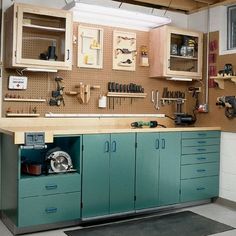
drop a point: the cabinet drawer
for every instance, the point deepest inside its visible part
(49, 209)
(200, 149)
(199, 189)
(200, 142)
(51, 184)
(199, 158)
(201, 134)
(199, 170)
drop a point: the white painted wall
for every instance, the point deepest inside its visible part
(228, 166)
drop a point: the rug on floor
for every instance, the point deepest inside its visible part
(184, 223)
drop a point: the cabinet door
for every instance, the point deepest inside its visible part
(44, 37)
(147, 168)
(95, 177)
(184, 52)
(169, 182)
(122, 172)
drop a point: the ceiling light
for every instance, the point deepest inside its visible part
(180, 79)
(116, 17)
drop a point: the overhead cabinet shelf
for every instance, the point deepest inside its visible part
(175, 52)
(38, 37)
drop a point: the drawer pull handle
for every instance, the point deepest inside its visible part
(201, 170)
(201, 188)
(202, 134)
(201, 142)
(51, 187)
(201, 149)
(163, 143)
(51, 210)
(201, 158)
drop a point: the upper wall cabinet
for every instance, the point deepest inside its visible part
(175, 53)
(38, 37)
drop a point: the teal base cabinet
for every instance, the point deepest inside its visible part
(157, 169)
(200, 165)
(108, 174)
(40, 202)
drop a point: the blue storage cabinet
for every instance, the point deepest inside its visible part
(29, 201)
(108, 174)
(200, 165)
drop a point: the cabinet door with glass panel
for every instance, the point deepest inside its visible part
(175, 53)
(39, 37)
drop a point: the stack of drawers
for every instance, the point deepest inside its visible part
(200, 165)
(49, 199)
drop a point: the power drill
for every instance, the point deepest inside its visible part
(229, 102)
(140, 124)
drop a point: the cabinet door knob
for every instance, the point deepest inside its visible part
(106, 146)
(157, 144)
(113, 146)
(163, 143)
(68, 54)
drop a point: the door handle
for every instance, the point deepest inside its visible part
(68, 54)
(51, 186)
(163, 143)
(157, 143)
(113, 145)
(51, 210)
(106, 146)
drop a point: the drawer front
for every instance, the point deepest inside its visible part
(51, 184)
(201, 134)
(49, 209)
(200, 158)
(200, 149)
(199, 170)
(200, 142)
(199, 189)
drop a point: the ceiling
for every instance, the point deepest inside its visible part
(186, 6)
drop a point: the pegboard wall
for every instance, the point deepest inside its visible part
(40, 85)
(216, 116)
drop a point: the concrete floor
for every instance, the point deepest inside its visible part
(213, 211)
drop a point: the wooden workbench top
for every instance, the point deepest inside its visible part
(66, 127)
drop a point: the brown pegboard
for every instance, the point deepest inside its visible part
(40, 85)
(216, 116)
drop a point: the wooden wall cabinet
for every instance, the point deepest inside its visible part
(175, 52)
(38, 37)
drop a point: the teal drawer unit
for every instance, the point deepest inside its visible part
(200, 158)
(199, 188)
(199, 170)
(201, 134)
(52, 184)
(49, 209)
(200, 165)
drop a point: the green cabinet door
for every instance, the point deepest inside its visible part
(95, 179)
(122, 172)
(169, 178)
(147, 168)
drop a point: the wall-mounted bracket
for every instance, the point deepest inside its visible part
(220, 80)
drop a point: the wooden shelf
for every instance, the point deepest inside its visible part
(24, 100)
(185, 58)
(44, 28)
(22, 115)
(126, 95)
(220, 80)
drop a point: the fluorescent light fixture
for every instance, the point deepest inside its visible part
(179, 79)
(116, 17)
(39, 69)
